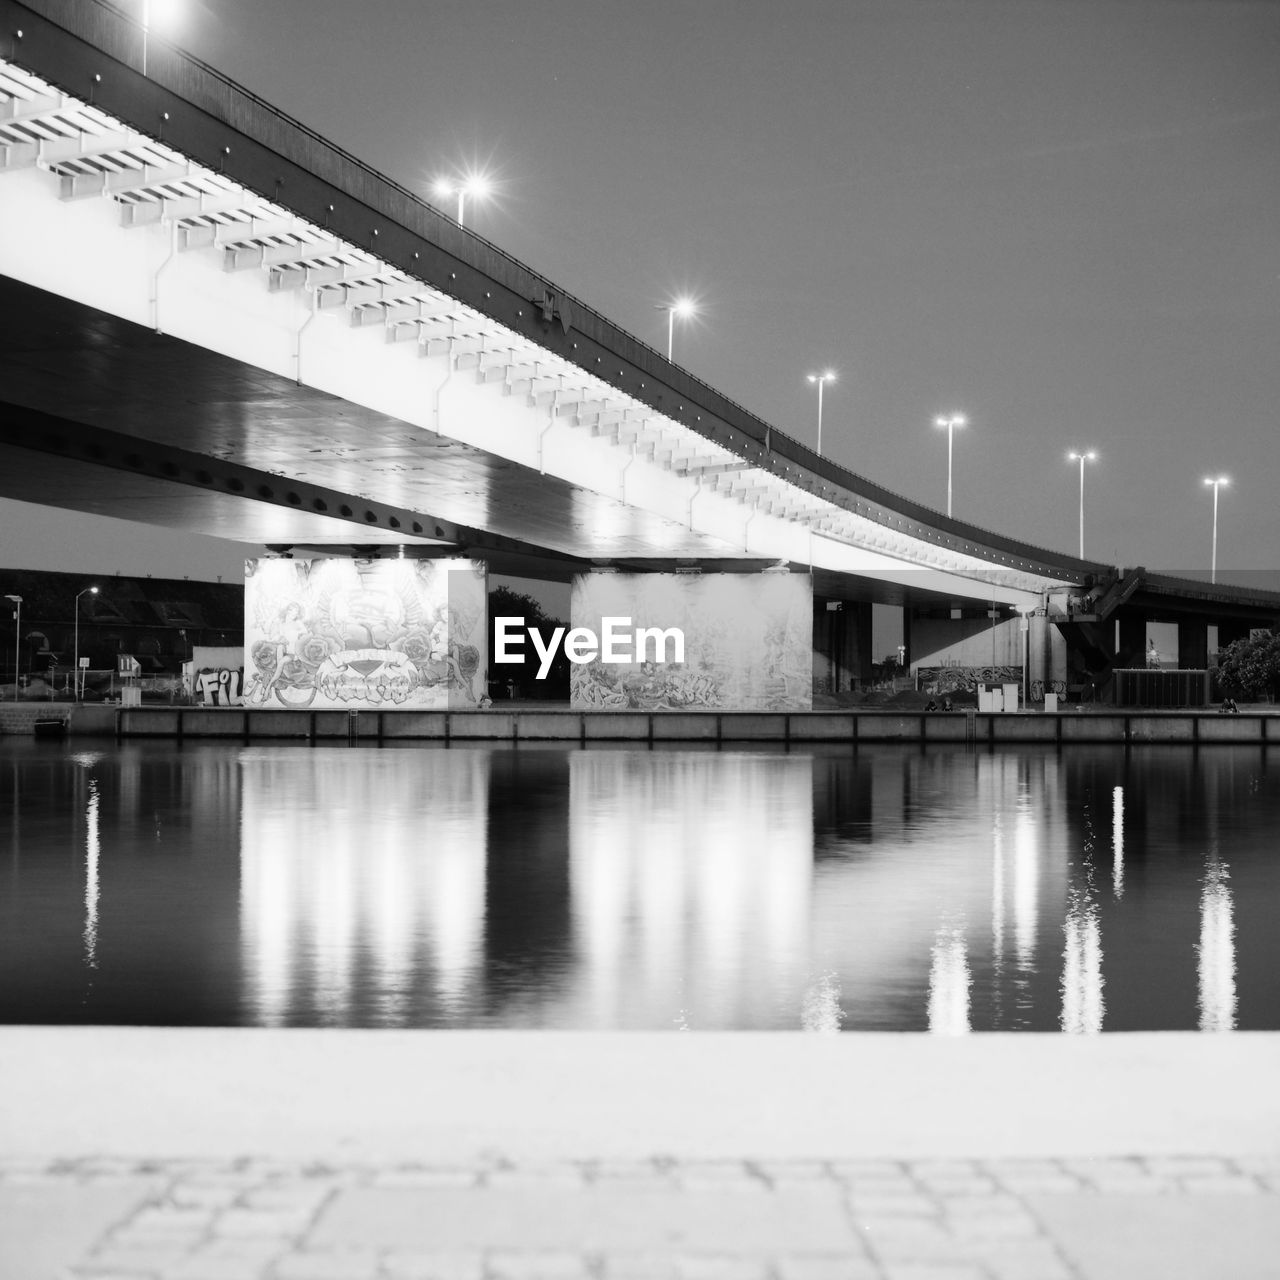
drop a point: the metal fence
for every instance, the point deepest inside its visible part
(1148, 687)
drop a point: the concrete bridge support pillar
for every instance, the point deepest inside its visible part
(1193, 644)
(1131, 651)
(1046, 653)
(841, 645)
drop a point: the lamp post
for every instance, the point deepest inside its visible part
(950, 422)
(1217, 482)
(685, 309)
(1082, 458)
(477, 187)
(75, 671)
(821, 379)
(17, 640)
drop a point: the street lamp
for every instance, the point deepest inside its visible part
(950, 422)
(88, 591)
(685, 309)
(1082, 458)
(17, 640)
(821, 379)
(477, 187)
(1217, 482)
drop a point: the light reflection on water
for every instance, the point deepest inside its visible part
(1216, 950)
(362, 895)
(945, 890)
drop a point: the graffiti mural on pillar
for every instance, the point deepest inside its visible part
(371, 634)
(964, 679)
(220, 688)
(748, 642)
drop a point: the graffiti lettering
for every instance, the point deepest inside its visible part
(220, 688)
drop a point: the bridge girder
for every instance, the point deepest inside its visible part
(301, 250)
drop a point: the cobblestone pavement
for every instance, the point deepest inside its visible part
(1013, 1219)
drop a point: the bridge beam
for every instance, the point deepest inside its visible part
(337, 216)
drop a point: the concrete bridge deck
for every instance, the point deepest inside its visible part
(393, 379)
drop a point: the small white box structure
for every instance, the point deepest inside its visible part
(1051, 702)
(1011, 697)
(986, 699)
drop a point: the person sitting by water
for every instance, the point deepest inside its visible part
(946, 704)
(1153, 656)
(931, 705)
(1228, 707)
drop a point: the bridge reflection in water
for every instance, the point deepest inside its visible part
(943, 890)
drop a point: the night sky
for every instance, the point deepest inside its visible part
(1057, 218)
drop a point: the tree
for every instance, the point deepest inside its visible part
(1250, 668)
(505, 603)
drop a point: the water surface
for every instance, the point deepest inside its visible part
(891, 888)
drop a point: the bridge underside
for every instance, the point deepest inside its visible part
(105, 416)
(213, 320)
(343, 368)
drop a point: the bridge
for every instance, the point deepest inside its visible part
(215, 320)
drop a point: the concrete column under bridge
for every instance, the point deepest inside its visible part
(969, 639)
(1193, 644)
(842, 654)
(1131, 651)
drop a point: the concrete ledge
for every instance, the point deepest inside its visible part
(1162, 729)
(95, 720)
(555, 725)
(1220, 728)
(749, 726)
(21, 717)
(213, 722)
(280, 724)
(883, 726)
(482, 724)
(947, 727)
(415, 724)
(605, 726)
(823, 726)
(136, 722)
(330, 724)
(1077, 727)
(681, 726)
(381, 1095)
(1022, 728)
